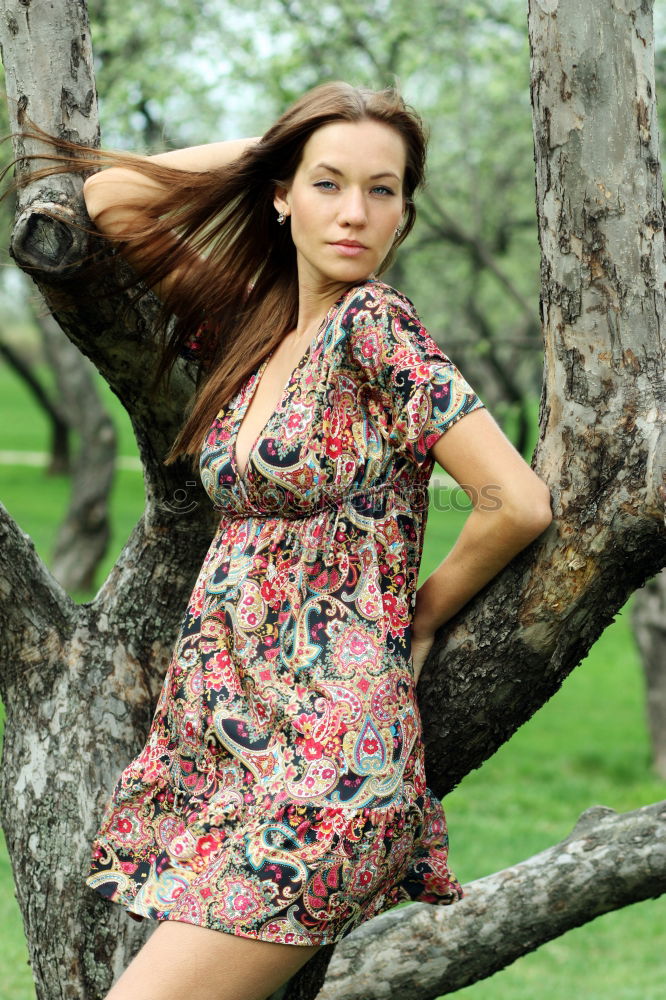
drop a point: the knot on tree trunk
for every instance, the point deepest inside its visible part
(591, 817)
(48, 240)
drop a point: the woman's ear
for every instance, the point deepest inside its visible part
(281, 200)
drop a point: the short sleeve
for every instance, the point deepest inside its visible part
(415, 390)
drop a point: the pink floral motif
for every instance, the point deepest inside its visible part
(312, 750)
(304, 723)
(333, 447)
(206, 845)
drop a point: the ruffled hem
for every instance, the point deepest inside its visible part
(293, 874)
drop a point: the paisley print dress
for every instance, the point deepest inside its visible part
(281, 791)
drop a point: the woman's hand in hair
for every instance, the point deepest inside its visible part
(118, 201)
(132, 190)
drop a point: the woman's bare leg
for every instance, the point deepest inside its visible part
(184, 962)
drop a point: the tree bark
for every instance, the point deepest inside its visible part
(80, 683)
(649, 622)
(601, 446)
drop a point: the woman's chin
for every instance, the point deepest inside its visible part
(342, 272)
(354, 272)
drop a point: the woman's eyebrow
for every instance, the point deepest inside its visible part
(374, 177)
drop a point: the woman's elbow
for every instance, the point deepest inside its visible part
(541, 517)
(107, 189)
(92, 195)
(531, 513)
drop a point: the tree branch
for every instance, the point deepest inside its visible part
(504, 371)
(446, 228)
(601, 415)
(608, 861)
(50, 238)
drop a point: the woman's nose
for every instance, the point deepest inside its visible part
(353, 211)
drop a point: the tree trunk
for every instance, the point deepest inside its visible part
(80, 683)
(649, 621)
(83, 536)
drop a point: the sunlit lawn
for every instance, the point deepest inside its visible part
(586, 746)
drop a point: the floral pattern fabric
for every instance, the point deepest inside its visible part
(281, 792)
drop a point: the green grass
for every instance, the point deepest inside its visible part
(587, 746)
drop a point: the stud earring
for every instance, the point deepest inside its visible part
(282, 218)
(398, 230)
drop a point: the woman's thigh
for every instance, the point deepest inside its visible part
(184, 962)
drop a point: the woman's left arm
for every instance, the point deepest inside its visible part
(511, 507)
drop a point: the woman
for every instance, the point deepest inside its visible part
(280, 798)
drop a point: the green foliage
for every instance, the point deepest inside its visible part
(7, 204)
(180, 73)
(155, 69)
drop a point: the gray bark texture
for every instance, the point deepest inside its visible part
(648, 616)
(80, 683)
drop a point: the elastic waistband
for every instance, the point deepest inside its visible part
(363, 500)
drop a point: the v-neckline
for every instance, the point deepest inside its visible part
(251, 388)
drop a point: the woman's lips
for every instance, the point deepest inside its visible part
(349, 249)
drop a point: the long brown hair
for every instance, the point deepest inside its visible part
(236, 267)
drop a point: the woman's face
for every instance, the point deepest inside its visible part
(345, 201)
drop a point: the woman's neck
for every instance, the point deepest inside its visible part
(313, 306)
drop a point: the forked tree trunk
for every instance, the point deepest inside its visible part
(79, 683)
(602, 437)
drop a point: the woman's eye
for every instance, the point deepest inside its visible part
(380, 189)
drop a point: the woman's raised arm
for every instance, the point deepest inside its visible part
(118, 199)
